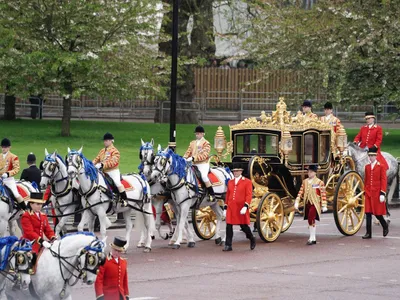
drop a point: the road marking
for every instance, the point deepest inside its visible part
(310, 273)
(144, 298)
(204, 264)
(393, 280)
(284, 270)
(392, 248)
(291, 241)
(255, 268)
(341, 244)
(151, 259)
(229, 265)
(367, 246)
(338, 275)
(177, 262)
(366, 278)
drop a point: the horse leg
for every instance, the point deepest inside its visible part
(3, 226)
(149, 226)
(184, 211)
(63, 220)
(103, 222)
(390, 197)
(139, 220)
(128, 226)
(158, 208)
(84, 220)
(189, 235)
(175, 234)
(219, 213)
(12, 225)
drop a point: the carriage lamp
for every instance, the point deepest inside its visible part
(286, 143)
(341, 139)
(219, 141)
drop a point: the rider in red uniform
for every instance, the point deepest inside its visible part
(370, 136)
(35, 225)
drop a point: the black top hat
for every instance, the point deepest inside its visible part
(199, 129)
(369, 114)
(36, 197)
(108, 136)
(313, 168)
(118, 243)
(5, 142)
(328, 105)
(373, 151)
(237, 166)
(31, 157)
(307, 103)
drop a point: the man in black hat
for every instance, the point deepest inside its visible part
(9, 167)
(32, 173)
(313, 193)
(112, 280)
(307, 110)
(108, 160)
(329, 118)
(370, 136)
(199, 152)
(375, 183)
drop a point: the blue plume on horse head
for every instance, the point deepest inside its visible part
(90, 169)
(178, 164)
(6, 243)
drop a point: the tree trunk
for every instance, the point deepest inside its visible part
(9, 108)
(202, 46)
(66, 118)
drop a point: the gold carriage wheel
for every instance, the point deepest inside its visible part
(348, 160)
(270, 217)
(349, 203)
(288, 221)
(204, 222)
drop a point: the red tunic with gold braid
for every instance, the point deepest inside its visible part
(112, 280)
(369, 137)
(109, 157)
(314, 197)
(9, 164)
(35, 228)
(375, 182)
(199, 150)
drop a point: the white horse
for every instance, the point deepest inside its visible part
(55, 174)
(146, 156)
(360, 157)
(76, 256)
(16, 263)
(182, 183)
(98, 199)
(10, 213)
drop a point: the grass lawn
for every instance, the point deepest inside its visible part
(36, 135)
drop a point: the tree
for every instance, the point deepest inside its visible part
(195, 47)
(95, 48)
(354, 45)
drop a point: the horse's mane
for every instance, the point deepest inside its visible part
(178, 163)
(71, 239)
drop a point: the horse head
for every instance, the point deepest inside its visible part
(22, 262)
(50, 170)
(162, 163)
(146, 156)
(74, 162)
(91, 258)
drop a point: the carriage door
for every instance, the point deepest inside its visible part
(311, 148)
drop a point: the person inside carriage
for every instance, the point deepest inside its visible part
(9, 167)
(199, 152)
(307, 110)
(35, 225)
(108, 161)
(370, 136)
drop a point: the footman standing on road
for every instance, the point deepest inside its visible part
(112, 280)
(237, 203)
(314, 197)
(375, 182)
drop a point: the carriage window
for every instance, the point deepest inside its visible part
(324, 148)
(310, 148)
(295, 154)
(256, 144)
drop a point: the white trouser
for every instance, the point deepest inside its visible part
(116, 177)
(204, 169)
(10, 183)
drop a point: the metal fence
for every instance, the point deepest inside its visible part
(209, 106)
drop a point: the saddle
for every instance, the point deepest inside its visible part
(211, 176)
(10, 200)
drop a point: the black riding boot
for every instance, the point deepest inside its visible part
(368, 235)
(384, 224)
(22, 205)
(123, 199)
(211, 193)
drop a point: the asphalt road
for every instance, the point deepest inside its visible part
(337, 267)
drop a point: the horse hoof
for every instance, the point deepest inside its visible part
(153, 237)
(140, 246)
(191, 244)
(170, 234)
(147, 250)
(218, 241)
(176, 246)
(184, 241)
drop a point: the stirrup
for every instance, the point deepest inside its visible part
(211, 198)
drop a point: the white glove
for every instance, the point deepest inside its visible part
(296, 205)
(224, 213)
(243, 210)
(98, 165)
(5, 175)
(382, 198)
(46, 244)
(366, 148)
(324, 209)
(189, 159)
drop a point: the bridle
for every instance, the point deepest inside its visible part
(75, 161)
(145, 150)
(51, 169)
